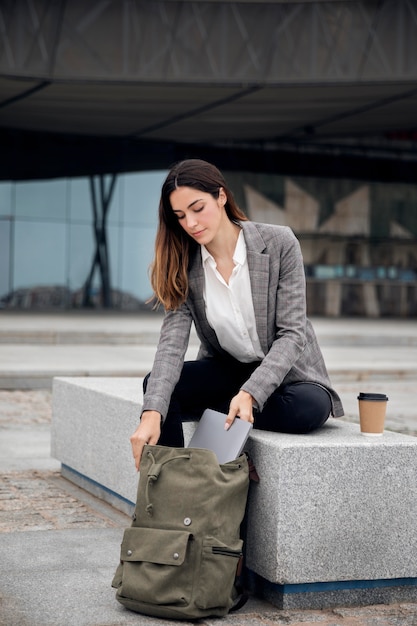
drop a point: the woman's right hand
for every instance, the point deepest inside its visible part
(148, 431)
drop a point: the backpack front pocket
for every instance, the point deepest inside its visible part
(219, 562)
(157, 566)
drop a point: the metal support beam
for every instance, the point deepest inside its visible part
(100, 262)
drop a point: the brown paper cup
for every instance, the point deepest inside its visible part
(372, 410)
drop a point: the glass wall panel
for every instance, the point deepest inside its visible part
(47, 238)
(113, 252)
(141, 193)
(137, 253)
(6, 199)
(81, 250)
(116, 208)
(39, 254)
(80, 201)
(4, 257)
(45, 199)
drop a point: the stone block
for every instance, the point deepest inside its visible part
(92, 420)
(333, 506)
(331, 522)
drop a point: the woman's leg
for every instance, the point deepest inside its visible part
(211, 383)
(297, 408)
(206, 383)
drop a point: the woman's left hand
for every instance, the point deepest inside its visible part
(241, 405)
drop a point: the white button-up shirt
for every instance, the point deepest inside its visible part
(229, 307)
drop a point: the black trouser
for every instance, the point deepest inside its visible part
(211, 383)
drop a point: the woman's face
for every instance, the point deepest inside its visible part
(199, 214)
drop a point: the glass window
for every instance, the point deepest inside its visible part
(324, 272)
(141, 194)
(80, 200)
(115, 210)
(137, 252)
(6, 199)
(366, 273)
(39, 254)
(46, 199)
(81, 250)
(113, 252)
(4, 257)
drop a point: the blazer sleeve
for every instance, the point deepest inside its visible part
(286, 302)
(169, 358)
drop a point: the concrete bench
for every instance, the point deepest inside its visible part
(331, 522)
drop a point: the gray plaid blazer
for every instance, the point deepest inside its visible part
(286, 335)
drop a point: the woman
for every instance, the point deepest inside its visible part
(243, 286)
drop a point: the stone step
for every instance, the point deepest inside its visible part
(143, 329)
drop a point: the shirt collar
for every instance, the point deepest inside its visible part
(239, 256)
(205, 254)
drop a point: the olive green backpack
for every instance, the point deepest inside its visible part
(180, 555)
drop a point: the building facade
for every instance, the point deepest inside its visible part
(359, 240)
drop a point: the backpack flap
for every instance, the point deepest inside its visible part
(152, 545)
(154, 571)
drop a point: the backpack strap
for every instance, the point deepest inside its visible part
(253, 474)
(243, 596)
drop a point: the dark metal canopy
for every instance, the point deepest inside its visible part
(90, 86)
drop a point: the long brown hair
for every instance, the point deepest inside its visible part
(173, 247)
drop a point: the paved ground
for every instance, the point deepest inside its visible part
(59, 545)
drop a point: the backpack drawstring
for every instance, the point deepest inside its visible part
(153, 475)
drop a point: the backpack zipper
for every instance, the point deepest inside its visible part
(226, 552)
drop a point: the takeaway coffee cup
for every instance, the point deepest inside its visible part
(372, 409)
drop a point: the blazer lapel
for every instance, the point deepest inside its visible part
(258, 264)
(196, 300)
